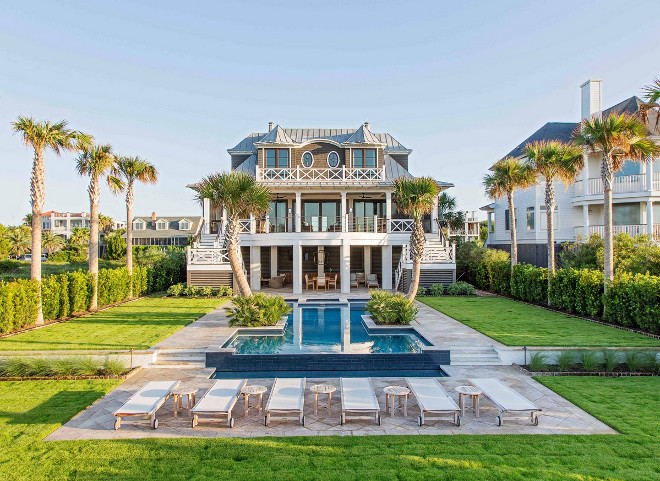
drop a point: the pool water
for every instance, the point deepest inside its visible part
(331, 328)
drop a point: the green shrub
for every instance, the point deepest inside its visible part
(610, 360)
(493, 272)
(529, 283)
(176, 289)
(633, 300)
(206, 291)
(436, 290)
(19, 304)
(538, 362)
(634, 361)
(565, 360)
(650, 360)
(49, 366)
(578, 291)
(422, 291)
(590, 361)
(257, 310)
(80, 291)
(460, 288)
(391, 308)
(191, 291)
(113, 286)
(224, 291)
(114, 366)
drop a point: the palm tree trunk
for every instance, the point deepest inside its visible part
(235, 258)
(512, 230)
(129, 236)
(94, 197)
(550, 222)
(37, 195)
(608, 259)
(417, 241)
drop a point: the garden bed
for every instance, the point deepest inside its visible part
(526, 370)
(126, 375)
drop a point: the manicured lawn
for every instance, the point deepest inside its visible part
(516, 324)
(30, 410)
(137, 325)
(12, 270)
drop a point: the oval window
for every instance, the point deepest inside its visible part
(333, 159)
(307, 159)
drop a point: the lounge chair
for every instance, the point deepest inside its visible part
(146, 402)
(432, 400)
(219, 400)
(360, 278)
(354, 282)
(372, 281)
(506, 399)
(308, 282)
(321, 282)
(358, 399)
(287, 400)
(332, 281)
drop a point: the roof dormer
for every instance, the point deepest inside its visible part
(276, 136)
(363, 136)
(185, 224)
(162, 224)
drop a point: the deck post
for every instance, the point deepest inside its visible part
(298, 206)
(297, 268)
(386, 273)
(345, 266)
(255, 268)
(273, 261)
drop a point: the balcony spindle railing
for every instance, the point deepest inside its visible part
(304, 174)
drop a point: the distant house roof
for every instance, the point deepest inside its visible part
(150, 232)
(299, 136)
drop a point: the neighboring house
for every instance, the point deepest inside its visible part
(63, 223)
(579, 209)
(164, 231)
(332, 212)
(470, 230)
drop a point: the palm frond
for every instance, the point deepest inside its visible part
(415, 197)
(555, 159)
(238, 192)
(508, 175)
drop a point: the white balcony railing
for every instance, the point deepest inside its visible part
(622, 183)
(207, 256)
(304, 174)
(632, 229)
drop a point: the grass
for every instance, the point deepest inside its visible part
(12, 270)
(32, 409)
(134, 325)
(517, 324)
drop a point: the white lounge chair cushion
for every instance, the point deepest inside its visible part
(430, 394)
(502, 395)
(287, 395)
(220, 397)
(357, 394)
(147, 398)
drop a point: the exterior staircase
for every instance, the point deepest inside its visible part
(180, 358)
(475, 356)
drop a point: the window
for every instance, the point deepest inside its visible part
(333, 159)
(184, 224)
(364, 158)
(506, 220)
(161, 225)
(277, 158)
(492, 224)
(543, 218)
(138, 225)
(307, 159)
(531, 225)
(626, 214)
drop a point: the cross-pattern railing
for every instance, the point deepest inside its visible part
(306, 174)
(208, 256)
(401, 225)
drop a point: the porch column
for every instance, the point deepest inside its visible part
(298, 211)
(585, 175)
(649, 217)
(320, 256)
(367, 260)
(344, 213)
(386, 274)
(345, 266)
(255, 268)
(585, 221)
(490, 226)
(206, 212)
(649, 174)
(434, 216)
(273, 261)
(297, 268)
(388, 210)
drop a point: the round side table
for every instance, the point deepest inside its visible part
(246, 391)
(471, 391)
(402, 392)
(322, 389)
(178, 393)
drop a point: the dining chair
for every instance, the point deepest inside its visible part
(321, 282)
(308, 282)
(332, 281)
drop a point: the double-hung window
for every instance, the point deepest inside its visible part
(531, 225)
(277, 158)
(364, 158)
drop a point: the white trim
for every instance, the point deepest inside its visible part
(318, 140)
(338, 160)
(303, 156)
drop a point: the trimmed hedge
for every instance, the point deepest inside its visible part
(70, 292)
(633, 300)
(578, 291)
(529, 283)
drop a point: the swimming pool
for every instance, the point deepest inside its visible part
(330, 327)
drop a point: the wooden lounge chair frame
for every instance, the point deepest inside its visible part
(434, 414)
(149, 416)
(285, 414)
(532, 411)
(360, 413)
(210, 414)
(372, 282)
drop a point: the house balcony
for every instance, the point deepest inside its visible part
(624, 184)
(631, 229)
(325, 175)
(346, 223)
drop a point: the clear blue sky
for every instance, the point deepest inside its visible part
(461, 83)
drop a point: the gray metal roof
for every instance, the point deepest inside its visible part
(277, 136)
(340, 136)
(249, 166)
(172, 231)
(363, 136)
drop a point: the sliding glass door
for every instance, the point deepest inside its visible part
(321, 216)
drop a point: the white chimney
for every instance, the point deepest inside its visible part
(592, 97)
(270, 126)
(366, 125)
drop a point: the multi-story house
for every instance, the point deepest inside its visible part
(579, 209)
(63, 223)
(164, 231)
(470, 230)
(332, 212)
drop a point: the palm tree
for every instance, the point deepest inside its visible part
(449, 217)
(106, 223)
(20, 240)
(416, 198)
(96, 162)
(27, 220)
(508, 175)
(619, 137)
(51, 241)
(42, 136)
(79, 236)
(131, 169)
(652, 96)
(551, 160)
(241, 196)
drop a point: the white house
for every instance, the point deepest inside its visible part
(331, 213)
(63, 223)
(579, 209)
